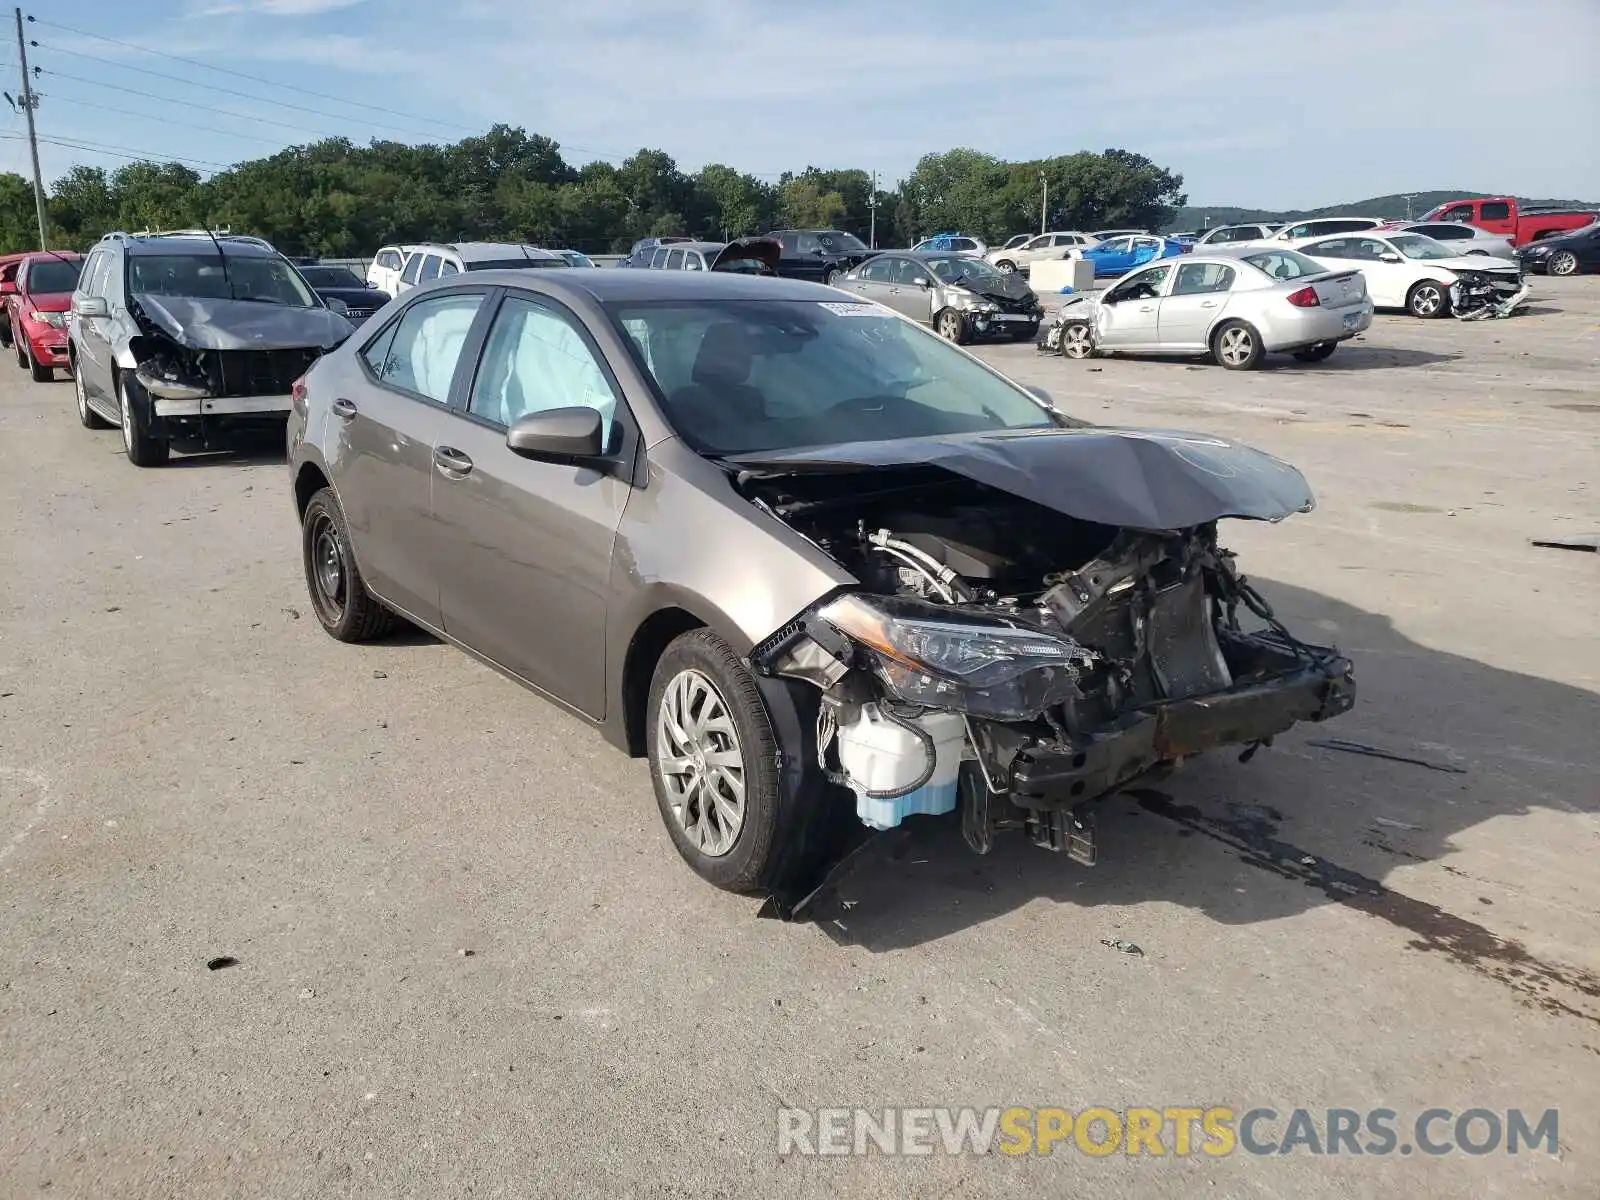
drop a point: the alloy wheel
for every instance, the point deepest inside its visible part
(1076, 341)
(83, 395)
(1427, 300)
(950, 326)
(1237, 345)
(127, 417)
(700, 762)
(1564, 262)
(1006, 266)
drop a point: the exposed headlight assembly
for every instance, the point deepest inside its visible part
(57, 319)
(925, 654)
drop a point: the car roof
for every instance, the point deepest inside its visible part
(700, 246)
(67, 255)
(198, 247)
(623, 286)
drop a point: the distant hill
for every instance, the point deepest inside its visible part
(1389, 207)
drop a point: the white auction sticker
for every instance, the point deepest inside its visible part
(843, 308)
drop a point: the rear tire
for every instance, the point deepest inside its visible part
(87, 416)
(1236, 346)
(339, 596)
(716, 783)
(1316, 353)
(1428, 299)
(828, 276)
(143, 449)
(1006, 265)
(22, 355)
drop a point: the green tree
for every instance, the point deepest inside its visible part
(802, 204)
(19, 221)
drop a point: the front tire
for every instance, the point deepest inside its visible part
(1317, 353)
(1236, 346)
(339, 596)
(1006, 265)
(39, 372)
(1077, 340)
(714, 763)
(1563, 262)
(952, 327)
(22, 355)
(142, 448)
(828, 276)
(1428, 299)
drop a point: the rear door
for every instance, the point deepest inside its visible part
(527, 545)
(1198, 297)
(1129, 314)
(871, 280)
(913, 289)
(381, 442)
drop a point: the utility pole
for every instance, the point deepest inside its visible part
(29, 103)
(872, 208)
(1044, 202)
(1408, 196)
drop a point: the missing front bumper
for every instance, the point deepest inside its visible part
(1060, 777)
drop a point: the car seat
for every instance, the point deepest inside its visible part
(718, 406)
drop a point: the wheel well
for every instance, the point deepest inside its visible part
(650, 641)
(307, 484)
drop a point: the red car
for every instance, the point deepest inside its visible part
(37, 300)
(1499, 214)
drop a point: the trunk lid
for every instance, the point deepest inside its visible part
(1338, 289)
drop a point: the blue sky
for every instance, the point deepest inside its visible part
(1289, 104)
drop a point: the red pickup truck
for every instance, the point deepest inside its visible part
(1499, 214)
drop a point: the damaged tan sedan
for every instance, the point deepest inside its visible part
(815, 562)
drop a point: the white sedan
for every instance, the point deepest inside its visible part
(1409, 271)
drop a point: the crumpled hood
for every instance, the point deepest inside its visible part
(1002, 287)
(1147, 479)
(208, 324)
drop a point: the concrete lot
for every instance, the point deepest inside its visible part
(189, 768)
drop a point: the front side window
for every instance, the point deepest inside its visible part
(738, 377)
(658, 258)
(413, 265)
(332, 277)
(536, 360)
(1341, 248)
(878, 270)
(1414, 245)
(1461, 212)
(446, 267)
(1196, 279)
(389, 259)
(1146, 285)
(422, 355)
(693, 262)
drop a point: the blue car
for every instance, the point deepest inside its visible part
(1120, 255)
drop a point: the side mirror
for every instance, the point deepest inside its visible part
(1390, 258)
(91, 306)
(371, 284)
(560, 435)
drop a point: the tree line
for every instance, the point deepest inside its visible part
(333, 198)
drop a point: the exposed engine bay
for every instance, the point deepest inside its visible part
(1017, 663)
(1486, 295)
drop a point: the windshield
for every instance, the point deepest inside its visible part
(1414, 245)
(737, 377)
(264, 280)
(833, 240)
(46, 275)
(514, 264)
(332, 277)
(959, 270)
(1285, 264)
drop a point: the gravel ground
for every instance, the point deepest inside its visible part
(469, 962)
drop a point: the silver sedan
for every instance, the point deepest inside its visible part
(1235, 304)
(1460, 237)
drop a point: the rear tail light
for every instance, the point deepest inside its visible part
(297, 395)
(1306, 297)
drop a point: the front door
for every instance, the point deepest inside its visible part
(381, 447)
(526, 562)
(911, 289)
(1128, 314)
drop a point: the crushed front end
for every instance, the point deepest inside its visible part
(1018, 663)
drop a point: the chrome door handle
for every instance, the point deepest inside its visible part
(344, 409)
(451, 461)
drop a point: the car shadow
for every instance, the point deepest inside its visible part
(1325, 825)
(1352, 357)
(242, 451)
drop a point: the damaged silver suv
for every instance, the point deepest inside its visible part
(808, 557)
(191, 336)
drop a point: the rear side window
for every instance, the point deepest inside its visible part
(1197, 278)
(389, 259)
(446, 267)
(658, 258)
(1449, 232)
(430, 268)
(1496, 210)
(413, 265)
(675, 260)
(693, 262)
(422, 353)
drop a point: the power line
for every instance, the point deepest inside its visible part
(139, 116)
(222, 112)
(316, 112)
(274, 83)
(127, 152)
